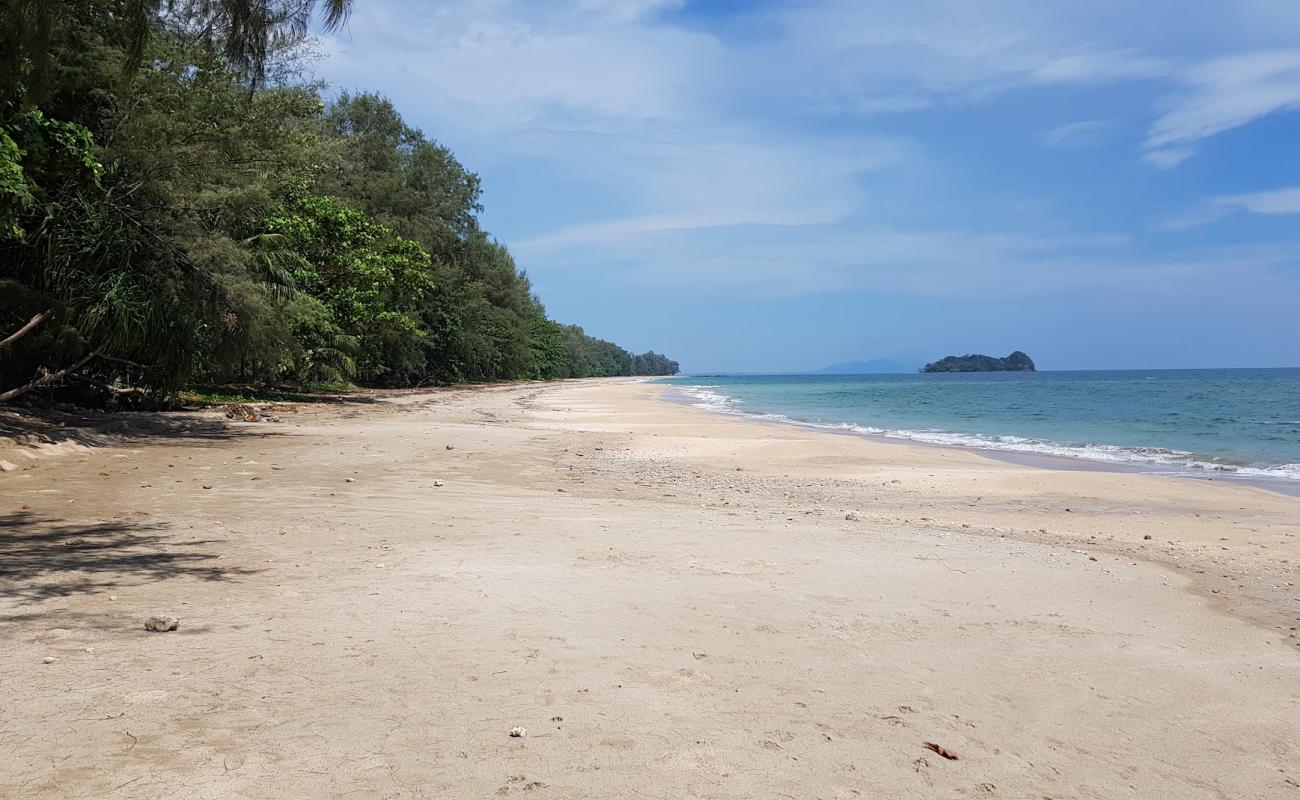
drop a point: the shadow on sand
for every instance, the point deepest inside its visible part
(60, 422)
(100, 429)
(43, 558)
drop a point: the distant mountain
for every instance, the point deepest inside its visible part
(874, 366)
(1016, 362)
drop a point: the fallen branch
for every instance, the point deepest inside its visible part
(46, 378)
(24, 330)
(114, 390)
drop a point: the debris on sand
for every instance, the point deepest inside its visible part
(161, 624)
(517, 732)
(246, 413)
(941, 750)
(851, 517)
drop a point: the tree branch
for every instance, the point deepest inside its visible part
(113, 390)
(129, 363)
(46, 377)
(24, 330)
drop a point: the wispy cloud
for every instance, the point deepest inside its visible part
(1272, 202)
(765, 262)
(1080, 135)
(1276, 201)
(1222, 94)
(871, 57)
(628, 10)
(1168, 157)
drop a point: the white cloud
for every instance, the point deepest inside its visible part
(1276, 201)
(1077, 135)
(1223, 94)
(1271, 202)
(730, 182)
(857, 55)
(1168, 157)
(869, 57)
(750, 262)
(890, 105)
(1092, 66)
(628, 10)
(636, 109)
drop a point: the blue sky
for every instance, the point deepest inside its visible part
(778, 186)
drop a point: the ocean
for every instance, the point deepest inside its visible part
(1232, 423)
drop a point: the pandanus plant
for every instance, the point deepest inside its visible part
(245, 31)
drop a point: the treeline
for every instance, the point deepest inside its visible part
(177, 207)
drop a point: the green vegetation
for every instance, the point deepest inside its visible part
(1016, 362)
(178, 209)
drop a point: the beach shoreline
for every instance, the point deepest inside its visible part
(1029, 458)
(671, 602)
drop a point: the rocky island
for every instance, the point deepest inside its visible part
(1016, 362)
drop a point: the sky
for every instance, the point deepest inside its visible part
(779, 186)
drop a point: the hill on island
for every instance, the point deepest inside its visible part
(1016, 362)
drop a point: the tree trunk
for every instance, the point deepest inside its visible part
(45, 379)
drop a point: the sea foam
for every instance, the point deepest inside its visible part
(1150, 459)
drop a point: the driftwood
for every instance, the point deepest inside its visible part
(24, 330)
(46, 377)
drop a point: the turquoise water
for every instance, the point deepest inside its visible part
(1232, 423)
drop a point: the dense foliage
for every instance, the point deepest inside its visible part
(176, 209)
(1016, 362)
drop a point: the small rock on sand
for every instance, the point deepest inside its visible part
(851, 517)
(451, 447)
(518, 732)
(160, 624)
(437, 483)
(52, 659)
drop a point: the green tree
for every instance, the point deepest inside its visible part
(199, 217)
(371, 281)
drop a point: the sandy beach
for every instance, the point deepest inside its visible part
(671, 603)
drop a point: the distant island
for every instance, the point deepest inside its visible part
(1016, 362)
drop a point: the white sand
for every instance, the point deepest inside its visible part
(672, 603)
